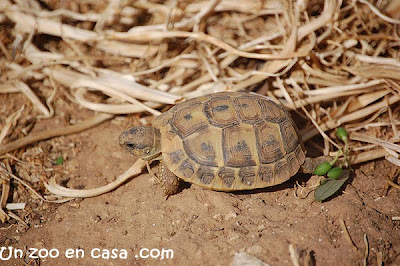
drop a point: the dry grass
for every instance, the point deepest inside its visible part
(334, 63)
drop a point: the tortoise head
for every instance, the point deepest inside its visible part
(141, 141)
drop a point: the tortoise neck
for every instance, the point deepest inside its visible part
(157, 141)
(155, 152)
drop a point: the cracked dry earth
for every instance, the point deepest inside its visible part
(202, 227)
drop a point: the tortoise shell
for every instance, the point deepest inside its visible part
(230, 141)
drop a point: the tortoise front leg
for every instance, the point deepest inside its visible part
(169, 181)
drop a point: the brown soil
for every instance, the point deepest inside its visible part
(202, 227)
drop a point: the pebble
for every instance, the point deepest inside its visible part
(254, 249)
(217, 217)
(96, 218)
(261, 227)
(58, 217)
(234, 238)
(230, 216)
(75, 205)
(39, 245)
(242, 258)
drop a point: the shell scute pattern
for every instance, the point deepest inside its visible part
(272, 112)
(186, 168)
(248, 109)
(266, 173)
(188, 120)
(289, 135)
(176, 156)
(205, 175)
(230, 141)
(203, 147)
(238, 146)
(227, 176)
(221, 112)
(247, 175)
(269, 142)
(292, 163)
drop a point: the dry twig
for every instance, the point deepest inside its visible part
(58, 190)
(51, 133)
(347, 235)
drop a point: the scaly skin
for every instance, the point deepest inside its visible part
(169, 181)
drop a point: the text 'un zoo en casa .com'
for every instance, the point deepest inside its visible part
(8, 253)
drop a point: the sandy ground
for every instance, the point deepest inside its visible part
(135, 225)
(197, 226)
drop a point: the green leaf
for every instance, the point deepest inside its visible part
(323, 168)
(59, 160)
(330, 186)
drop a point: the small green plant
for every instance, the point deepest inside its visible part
(341, 133)
(323, 168)
(335, 173)
(335, 176)
(59, 160)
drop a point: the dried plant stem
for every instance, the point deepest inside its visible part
(5, 190)
(294, 255)
(111, 108)
(9, 121)
(393, 184)
(337, 89)
(366, 99)
(8, 174)
(320, 130)
(379, 14)
(16, 217)
(367, 156)
(369, 139)
(347, 235)
(35, 137)
(58, 190)
(379, 258)
(324, 19)
(375, 60)
(269, 67)
(115, 84)
(32, 97)
(366, 252)
(29, 23)
(199, 36)
(308, 134)
(3, 216)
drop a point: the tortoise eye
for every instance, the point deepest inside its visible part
(130, 145)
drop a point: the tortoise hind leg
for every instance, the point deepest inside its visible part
(169, 181)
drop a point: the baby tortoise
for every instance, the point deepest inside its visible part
(223, 141)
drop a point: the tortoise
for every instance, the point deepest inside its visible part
(224, 141)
